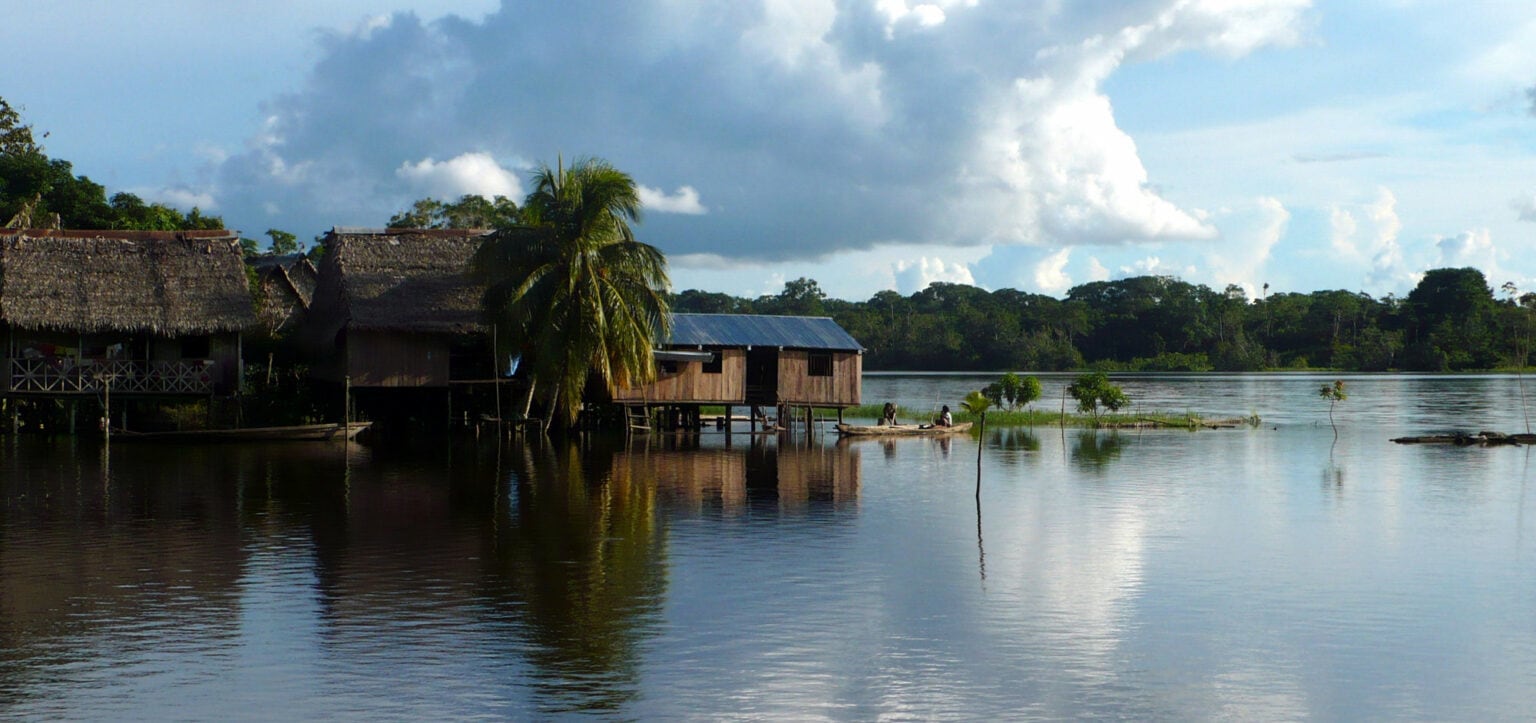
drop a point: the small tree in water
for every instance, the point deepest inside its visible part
(1029, 391)
(1334, 393)
(976, 403)
(1095, 390)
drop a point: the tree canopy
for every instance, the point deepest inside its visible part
(1160, 323)
(39, 191)
(468, 212)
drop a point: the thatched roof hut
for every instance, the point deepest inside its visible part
(393, 307)
(398, 280)
(157, 282)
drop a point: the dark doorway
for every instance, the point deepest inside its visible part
(763, 376)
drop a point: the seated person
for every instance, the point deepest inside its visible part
(888, 415)
(944, 420)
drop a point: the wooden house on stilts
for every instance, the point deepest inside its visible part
(138, 313)
(793, 364)
(396, 315)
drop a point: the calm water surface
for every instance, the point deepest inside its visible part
(1267, 573)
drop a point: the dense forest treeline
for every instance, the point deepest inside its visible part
(1451, 321)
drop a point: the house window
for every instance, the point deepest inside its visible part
(715, 364)
(820, 364)
(195, 347)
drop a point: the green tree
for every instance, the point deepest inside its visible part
(15, 136)
(39, 191)
(581, 297)
(1334, 393)
(801, 297)
(1451, 311)
(1094, 390)
(1028, 392)
(470, 211)
(283, 242)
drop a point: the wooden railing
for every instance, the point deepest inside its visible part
(62, 375)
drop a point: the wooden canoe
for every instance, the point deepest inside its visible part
(295, 433)
(900, 430)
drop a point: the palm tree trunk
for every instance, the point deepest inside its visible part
(554, 404)
(528, 399)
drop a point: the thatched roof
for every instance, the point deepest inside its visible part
(292, 272)
(409, 280)
(285, 288)
(161, 282)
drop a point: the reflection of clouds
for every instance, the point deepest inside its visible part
(1259, 692)
(1079, 562)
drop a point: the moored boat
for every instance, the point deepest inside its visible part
(294, 433)
(900, 430)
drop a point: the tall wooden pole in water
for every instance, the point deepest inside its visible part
(981, 437)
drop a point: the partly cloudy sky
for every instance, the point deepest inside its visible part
(868, 144)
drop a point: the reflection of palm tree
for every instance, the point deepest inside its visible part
(583, 558)
(573, 286)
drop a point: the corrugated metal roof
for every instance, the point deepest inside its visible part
(794, 332)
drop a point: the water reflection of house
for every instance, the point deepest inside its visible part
(85, 550)
(789, 477)
(751, 360)
(148, 312)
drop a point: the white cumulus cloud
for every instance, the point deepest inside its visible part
(913, 276)
(1050, 274)
(184, 199)
(684, 200)
(1242, 259)
(468, 174)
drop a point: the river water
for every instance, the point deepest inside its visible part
(1271, 572)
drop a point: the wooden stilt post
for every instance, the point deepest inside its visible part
(107, 409)
(346, 413)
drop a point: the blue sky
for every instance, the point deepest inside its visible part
(868, 144)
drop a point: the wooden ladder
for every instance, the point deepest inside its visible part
(636, 418)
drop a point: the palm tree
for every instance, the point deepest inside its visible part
(572, 288)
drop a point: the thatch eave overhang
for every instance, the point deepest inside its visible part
(151, 282)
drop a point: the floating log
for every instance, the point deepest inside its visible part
(1481, 439)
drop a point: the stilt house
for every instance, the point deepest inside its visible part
(144, 312)
(752, 360)
(397, 308)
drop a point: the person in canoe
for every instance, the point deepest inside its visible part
(944, 420)
(888, 415)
